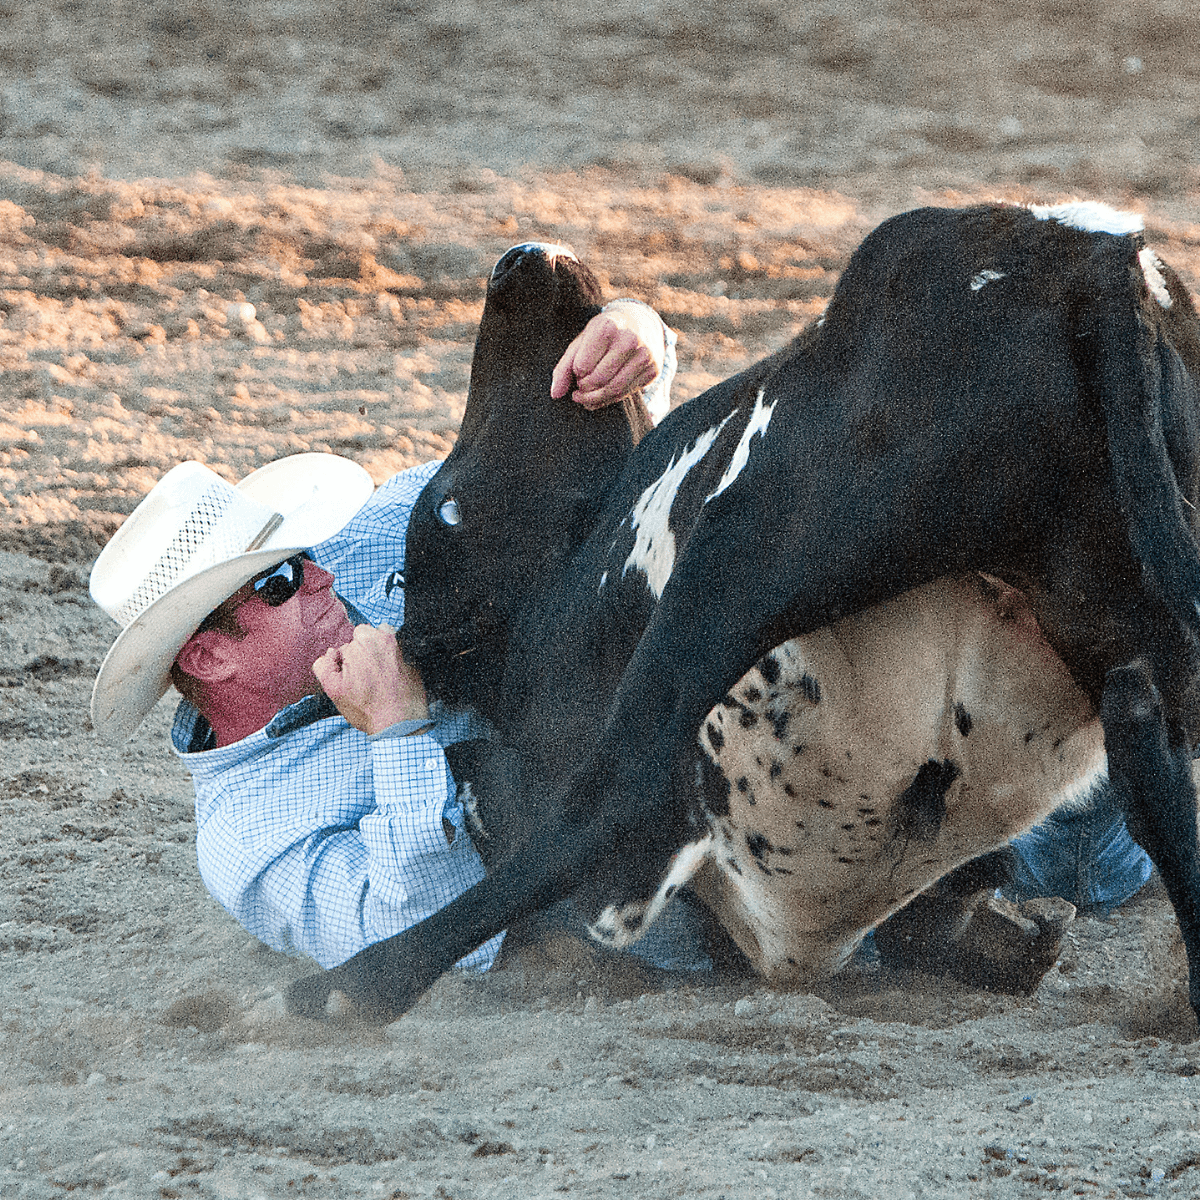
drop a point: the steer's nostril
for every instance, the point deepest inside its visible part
(511, 259)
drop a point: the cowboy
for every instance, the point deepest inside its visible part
(326, 813)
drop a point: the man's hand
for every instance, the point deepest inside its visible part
(371, 684)
(619, 350)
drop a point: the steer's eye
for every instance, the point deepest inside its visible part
(448, 512)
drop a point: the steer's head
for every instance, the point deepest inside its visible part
(523, 485)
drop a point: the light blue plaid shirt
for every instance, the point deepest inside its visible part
(317, 838)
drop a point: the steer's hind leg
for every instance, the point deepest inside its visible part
(959, 927)
(1156, 772)
(921, 934)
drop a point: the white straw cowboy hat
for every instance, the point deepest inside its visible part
(188, 546)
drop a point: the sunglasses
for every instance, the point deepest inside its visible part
(274, 587)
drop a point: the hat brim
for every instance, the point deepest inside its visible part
(319, 493)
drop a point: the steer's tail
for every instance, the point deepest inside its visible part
(1139, 378)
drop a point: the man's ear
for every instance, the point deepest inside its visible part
(210, 657)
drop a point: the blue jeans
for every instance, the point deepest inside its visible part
(1085, 856)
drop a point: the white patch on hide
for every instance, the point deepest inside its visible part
(654, 543)
(685, 864)
(1152, 273)
(984, 278)
(1090, 216)
(811, 849)
(760, 418)
(1077, 794)
(470, 806)
(610, 926)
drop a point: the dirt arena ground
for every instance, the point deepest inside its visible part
(352, 170)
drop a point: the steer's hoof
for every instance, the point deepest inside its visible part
(340, 1006)
(1052, 913)
(1007, 948)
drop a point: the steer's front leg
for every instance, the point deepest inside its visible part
(387, 978)
(1155, 772)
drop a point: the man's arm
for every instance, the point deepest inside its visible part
(329, 840)
(311, 857)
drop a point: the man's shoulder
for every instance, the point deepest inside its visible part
(388, 508)
(367, 556)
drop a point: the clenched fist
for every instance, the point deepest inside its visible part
(369, 681)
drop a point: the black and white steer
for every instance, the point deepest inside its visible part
(840, 624)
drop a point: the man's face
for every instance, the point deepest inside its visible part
(282, 642)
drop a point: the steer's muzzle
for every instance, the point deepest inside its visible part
(512, 259)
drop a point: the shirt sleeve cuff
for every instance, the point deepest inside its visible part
(445, 725)
(413, 791)
(656, 395)
(404, 729)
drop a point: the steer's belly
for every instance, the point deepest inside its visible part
(851, 768)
